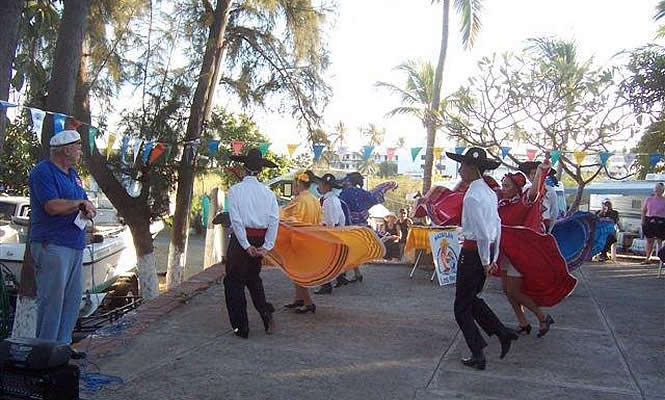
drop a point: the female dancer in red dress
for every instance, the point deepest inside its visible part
(522, 208)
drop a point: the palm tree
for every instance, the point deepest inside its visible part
(339, 135)
(660, 13)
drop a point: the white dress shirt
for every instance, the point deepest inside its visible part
(550, 204)
(253, 205)
(333, 215)
(480, 219)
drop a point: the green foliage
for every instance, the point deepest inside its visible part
(387, 169)
(653, 141)
(645, 85)
(21, 153)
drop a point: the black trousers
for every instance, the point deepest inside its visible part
(469, 308)
(243, 270)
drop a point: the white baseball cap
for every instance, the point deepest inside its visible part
(65, 138)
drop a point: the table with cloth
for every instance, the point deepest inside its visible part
(418, 243)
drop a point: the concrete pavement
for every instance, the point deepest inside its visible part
(391, 337)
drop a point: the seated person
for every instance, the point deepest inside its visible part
(391, 235)
(608, 212)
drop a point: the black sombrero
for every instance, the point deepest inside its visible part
(475, 156)
(254, 160)
(330, 180)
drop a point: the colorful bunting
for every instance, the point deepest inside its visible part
(318, 150)
(654, 158)
(263, 147)
(237, 146)
(136, 149)
(6, 104)
(367, 152)
(156, 152)
(604, 156)
(124, 147)
(554, 156)
(460, 149)
(438, 151)
(92, 136)
(390, 153)
(291, 148)
(37, 121)
(213, 146)
(414, 152)
(629, 158)
(167, 153)
(109, 145)
(504, 151)
(579, 156)
(147, 148)
(58, 123)
(531, 154)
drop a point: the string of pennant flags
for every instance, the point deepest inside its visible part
(152, 151)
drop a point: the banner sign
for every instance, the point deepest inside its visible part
(445, 252)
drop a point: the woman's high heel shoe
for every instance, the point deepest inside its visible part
(305, 309)
(548, 322)
(297, 303)
(526, 330)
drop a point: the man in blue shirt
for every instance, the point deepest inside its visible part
(58, 209)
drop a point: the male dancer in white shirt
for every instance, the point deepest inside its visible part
(481, 228)
(333, 215)
(254, 215)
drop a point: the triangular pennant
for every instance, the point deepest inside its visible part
(438, 151)
(6, 104)
(147, 148)
(58, 123)
(156, 152)
(460, 149)
(414, 152)
(554, 156)
(92, 136)
(73, 123)
(237, 146)
(167, 153)
(504, 151)
(318, 150)
(654, 158)
(629, 158)
(109, 145)
(604, 156)
(367, 152)
(213, 146)
(291, 148)
(531, 154)
(263, 147)
(136, 149)
(37, 121)
(579, 156)
(124, 147)
(390, 153)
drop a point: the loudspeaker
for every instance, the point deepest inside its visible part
(59, 383)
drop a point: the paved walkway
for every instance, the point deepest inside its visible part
(389, 338)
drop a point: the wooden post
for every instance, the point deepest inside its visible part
(214, 238)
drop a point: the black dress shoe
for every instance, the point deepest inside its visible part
(78, 355)
(325, 289)
(295, 304)
(268, 323)
(506, 340)
(356, 279)
(524, 330)
(242, 333)
(475, 362)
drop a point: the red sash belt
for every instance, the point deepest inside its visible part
(470, 245)
(255, 232)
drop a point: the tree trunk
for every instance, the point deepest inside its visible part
(202, 97)
(66, 61)
(10, 15)
(578, 198)
(436, 100)
(135, 211)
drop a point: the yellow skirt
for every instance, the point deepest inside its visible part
(314, 255)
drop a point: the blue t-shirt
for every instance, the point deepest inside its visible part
(48, 182)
